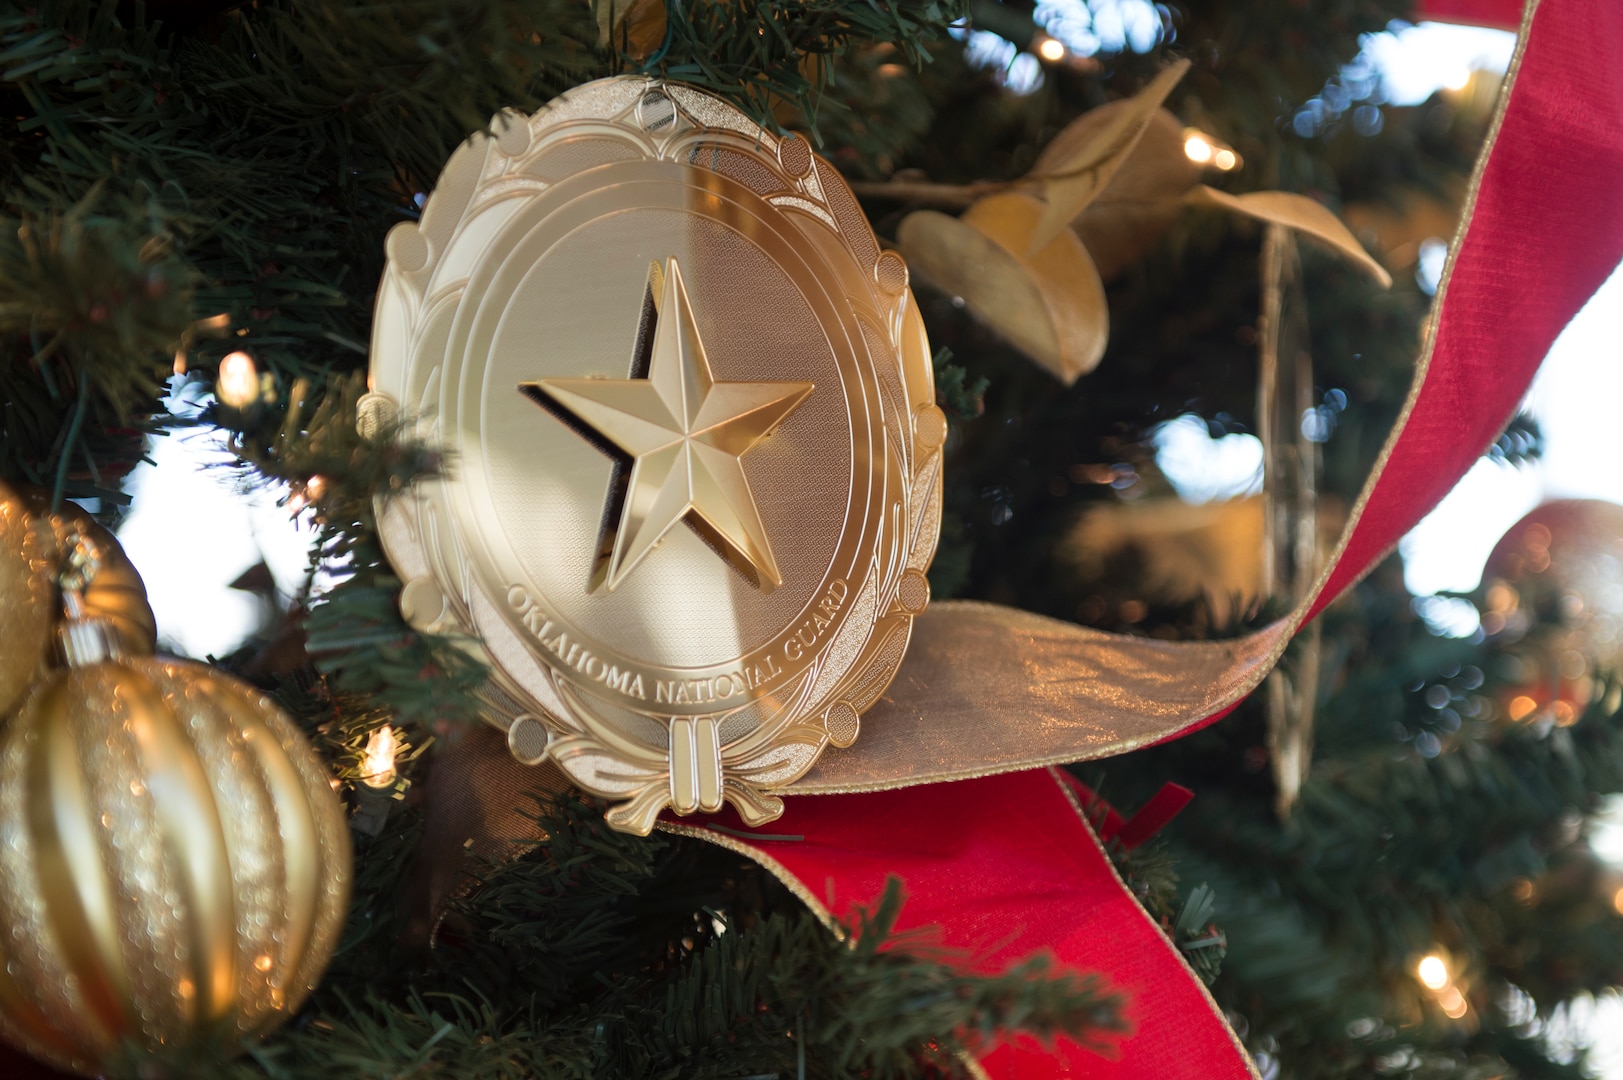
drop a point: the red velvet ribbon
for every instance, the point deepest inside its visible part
(997, 869)
(1151, 818)
(1006, 865)
(1504, 14)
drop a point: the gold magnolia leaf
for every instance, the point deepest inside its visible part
(993, 283)
(1295, 212)
(1063, 273)
(1142, 200)
(1049, 304)
(1074, 179)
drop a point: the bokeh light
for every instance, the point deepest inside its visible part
(237, 383)
(1432, 972)
(377, 766)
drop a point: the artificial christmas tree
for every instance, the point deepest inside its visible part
(212, 196)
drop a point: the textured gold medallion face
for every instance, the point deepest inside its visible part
(694, 452)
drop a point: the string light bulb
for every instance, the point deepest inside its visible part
(1458, 79)
(1050, 49)
(306, 493)
(237, 384)
(1432, 972)
(1203, 149)
(377, 763)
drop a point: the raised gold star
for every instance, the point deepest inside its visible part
(684, 433)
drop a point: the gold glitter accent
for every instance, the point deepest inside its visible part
(173, 862)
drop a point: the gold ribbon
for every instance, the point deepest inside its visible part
(987, 689)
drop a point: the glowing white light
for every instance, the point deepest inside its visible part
(1429, 268)
(1458, 79)
(237, 384)
(1607, 835)
(1051, 49)
(1203, 469)
(1591, 1026)
(985, 49)
(1432, 972)
(377, 766)
(191, 532)
(1414, 61)
(1019, 71)
(1025, 74)
(1202, 149)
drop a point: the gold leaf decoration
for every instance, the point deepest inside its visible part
(1090, 156)
(1047, 301)
(1296, 212)
(1142, 200)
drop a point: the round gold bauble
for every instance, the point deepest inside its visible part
(174, 865)
(1561, 564)
(698, 454)
(1552, 596)
(32, 543)
(27, 598)
(115, 591)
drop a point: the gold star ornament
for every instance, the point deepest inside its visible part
(685, 433)
(778, 402)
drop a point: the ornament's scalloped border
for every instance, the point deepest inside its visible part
(854, 667)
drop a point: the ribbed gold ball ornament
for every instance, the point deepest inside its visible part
(32, 544)
(28, 607)
(174, 863)
(115, 592)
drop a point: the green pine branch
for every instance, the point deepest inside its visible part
(601, 954)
